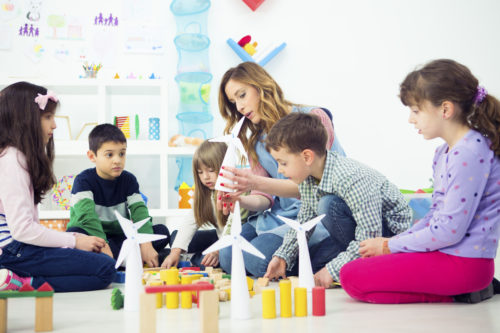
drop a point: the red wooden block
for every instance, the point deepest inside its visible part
(253, 4)
(45, 287)
(26, 287)
(318, 301)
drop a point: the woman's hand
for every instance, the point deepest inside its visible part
(373, 247)
(211, 259)
(243, 179)
(226, 201)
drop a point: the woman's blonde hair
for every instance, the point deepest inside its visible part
(272, 107)
(211, 155)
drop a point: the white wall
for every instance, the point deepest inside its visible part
(348, 56)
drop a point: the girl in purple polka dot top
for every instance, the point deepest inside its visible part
(449, 254)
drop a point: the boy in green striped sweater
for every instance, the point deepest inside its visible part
(99, 191)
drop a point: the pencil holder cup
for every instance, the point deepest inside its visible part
(90, 74)
(154, 129)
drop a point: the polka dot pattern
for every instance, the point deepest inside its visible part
(465, 203)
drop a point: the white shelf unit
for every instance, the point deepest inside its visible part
(94, 100)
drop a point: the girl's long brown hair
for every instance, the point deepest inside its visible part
(447, 80)
(20, 127)
(273, 105)
(210, 154)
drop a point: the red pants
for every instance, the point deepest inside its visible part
(415, 277)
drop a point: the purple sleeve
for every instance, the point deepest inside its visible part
(459, 182)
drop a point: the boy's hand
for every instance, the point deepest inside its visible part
(149, 254)
(172, 260)
(211, 259)
(372, 247)
(276, 269)
(107, 250)
(89, 243)
(322, 278)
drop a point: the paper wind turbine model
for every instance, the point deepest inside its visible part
(230, 159)
(306, 277)
(133, 268)
(240, 299)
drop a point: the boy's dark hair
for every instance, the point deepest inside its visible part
(105, 133)
(296, 132)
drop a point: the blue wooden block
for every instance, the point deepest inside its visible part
(119, 277)
(184, 264)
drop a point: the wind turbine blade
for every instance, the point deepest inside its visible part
(311, 223)
(220, 244)
(237, 128)
(239, 146)
(127, 246)
(138, 225)
(248, 247)
(126, 225)
(236, 224)
(144, 238)
(294, 224)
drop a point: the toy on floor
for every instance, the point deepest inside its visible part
(318, 301)
(131, 251)
(116, 299)
(306, 277)
(253, 4)
(240, 303)
(230, 159)
(43, 306)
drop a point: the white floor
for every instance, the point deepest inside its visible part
(91, 312)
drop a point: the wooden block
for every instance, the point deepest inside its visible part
(223, 296)
(147, 313)
(250, 283)
(257, 288)
(43, 314)
(3, 315)
(217, 270)
(295, 281)
(216, 276)
(209, 270)
(209, 311)
(263, 282)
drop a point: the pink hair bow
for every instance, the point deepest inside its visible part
(42, 100)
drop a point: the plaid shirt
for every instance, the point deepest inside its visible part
(370, 197)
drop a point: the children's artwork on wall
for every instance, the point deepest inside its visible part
(61, 53)
(34, 8)
(28, 30)
(106, 20)
(5, 37)
(64, 27)
(9, 9)
(103, 46)
(34, 51)
(144, 40)
(138, 11)
(63, 130)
